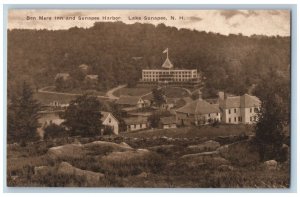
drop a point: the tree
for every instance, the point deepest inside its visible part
(273, 115)
(23, 116)
(54, 131)
(158, 96)
(154, 119)
(83, 116)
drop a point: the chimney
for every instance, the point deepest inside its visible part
(221, 95)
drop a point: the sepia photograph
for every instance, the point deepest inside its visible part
(116, 98)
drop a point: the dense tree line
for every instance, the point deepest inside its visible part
(117, 52)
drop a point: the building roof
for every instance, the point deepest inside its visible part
(168, 120)
(105, 115)
(167, 64)
(244, 101)
(199, 106)
(64, 76)
(46, 98)
(250, 101)
(128, 100)
(135, 120)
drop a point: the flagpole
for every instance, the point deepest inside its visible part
(167, 53)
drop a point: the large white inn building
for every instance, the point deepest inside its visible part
(171, 76)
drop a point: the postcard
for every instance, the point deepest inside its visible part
(146, 98)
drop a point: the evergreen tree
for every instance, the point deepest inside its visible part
(23, 116)
(158, 96)
(83, 116)
(273, 115)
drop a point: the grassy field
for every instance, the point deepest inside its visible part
(132, 91)
(190, 132)
(172, 92)
(77, 91)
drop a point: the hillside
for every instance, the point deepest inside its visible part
(230, 63)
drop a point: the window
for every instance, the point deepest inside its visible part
(250, 110)
(134, 126)
(229, 111)
(234, 119)
(240, 118)
(208, 115)
(229, 120)
(141, 125)
(234, 110)
(250, 118)
(217, 114)
(109, 120)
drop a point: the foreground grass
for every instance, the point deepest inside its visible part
(160, 168)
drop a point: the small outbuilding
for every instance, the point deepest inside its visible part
(167, 122)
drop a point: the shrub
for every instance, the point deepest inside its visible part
(54, 131)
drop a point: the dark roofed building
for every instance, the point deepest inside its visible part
(131, 101)
(53, 100)
(136, 123)
(167, 122)
(198, 112)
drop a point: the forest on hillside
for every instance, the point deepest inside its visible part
(117, 52)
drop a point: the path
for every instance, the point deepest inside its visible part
(110, 92)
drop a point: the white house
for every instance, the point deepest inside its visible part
(108, 120)
(239, 109)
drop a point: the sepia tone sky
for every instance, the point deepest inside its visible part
(247, 22)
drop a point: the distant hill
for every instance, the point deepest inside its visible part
(230, 63)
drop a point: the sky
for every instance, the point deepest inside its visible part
(246, 22)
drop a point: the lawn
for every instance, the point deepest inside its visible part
(132, 91)
(76, 91)
(174, 92)
(190, 132)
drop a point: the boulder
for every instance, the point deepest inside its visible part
(199, 155)
(108, 145)
(126, 156)
(206, 146)
(270, 165)
(42, 170)
(66, 151)
(211, 158)
(92, 178)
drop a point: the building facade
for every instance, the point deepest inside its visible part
(239, 109)
(170, 76)
(108, 120)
